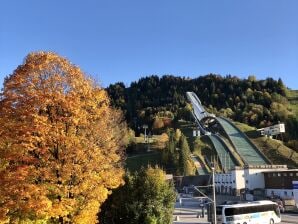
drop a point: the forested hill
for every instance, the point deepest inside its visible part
(258, 103)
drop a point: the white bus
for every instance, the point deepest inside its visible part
(257, 212)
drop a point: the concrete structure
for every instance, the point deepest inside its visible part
(244, 179)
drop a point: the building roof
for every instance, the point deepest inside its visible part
(280, 171)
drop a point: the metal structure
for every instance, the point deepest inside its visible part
(247, 151)
(273, 130)
(226, 159)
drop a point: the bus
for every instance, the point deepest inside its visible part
(256, 212)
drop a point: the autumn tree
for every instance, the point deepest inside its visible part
(60, 143)
(158, 123)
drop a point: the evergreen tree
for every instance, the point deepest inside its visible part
(185, 163)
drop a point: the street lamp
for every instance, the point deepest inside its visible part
(214, 200)
(145, 126)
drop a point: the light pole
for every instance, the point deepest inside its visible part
(214, 200)
(145, 126)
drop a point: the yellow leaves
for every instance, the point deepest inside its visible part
(65, 142)
(88, 214)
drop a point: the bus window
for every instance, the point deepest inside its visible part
(259, 212)
(218, 210)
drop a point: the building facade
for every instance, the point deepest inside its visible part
(244, 179)
(280, 183)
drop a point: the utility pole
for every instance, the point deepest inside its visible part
(214, 200)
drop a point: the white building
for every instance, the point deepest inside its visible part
(241, 179)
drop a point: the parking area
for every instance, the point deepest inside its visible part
(188, 210)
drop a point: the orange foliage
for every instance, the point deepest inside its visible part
(60, 143)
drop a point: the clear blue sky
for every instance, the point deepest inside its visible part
(125, 40)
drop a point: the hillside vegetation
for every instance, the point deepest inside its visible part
(161, 103)
(292, 96)
(275, 150)
(160, 100)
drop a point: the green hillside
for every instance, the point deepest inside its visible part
(292, 96)
(255, 102)
(275, 150)
(161, 103)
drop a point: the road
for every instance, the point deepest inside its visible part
(187, 210)
(289, 218)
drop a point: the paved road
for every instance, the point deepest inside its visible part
(187, 210)
(288, 218)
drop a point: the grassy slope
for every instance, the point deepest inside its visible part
(277, 152)
(292, 96)
(143, 158)
(135, 163)
(274, 149)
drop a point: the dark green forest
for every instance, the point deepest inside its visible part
(160, 101)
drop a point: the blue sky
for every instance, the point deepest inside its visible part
(125, 40)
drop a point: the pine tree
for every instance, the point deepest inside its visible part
(185, 164)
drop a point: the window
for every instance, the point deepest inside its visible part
(218, 210)
(278, 174)
(273, 174)
(291, 174)
(286, 193)
(285, 174)
(248, 209)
